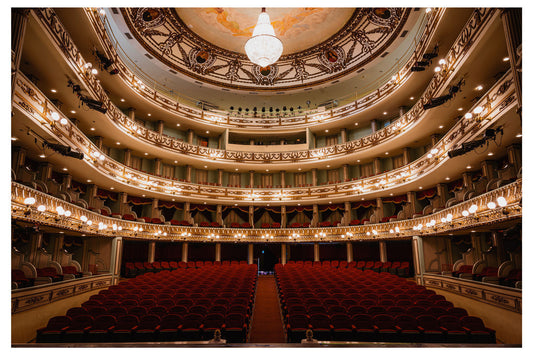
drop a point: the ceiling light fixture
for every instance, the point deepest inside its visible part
(263, 48)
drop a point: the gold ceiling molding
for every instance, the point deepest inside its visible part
(366, 35)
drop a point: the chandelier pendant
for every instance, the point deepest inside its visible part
(263, 48)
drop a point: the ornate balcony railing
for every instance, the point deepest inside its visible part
(475, 25)
(493, 104)
(111, 227)
(454, 59)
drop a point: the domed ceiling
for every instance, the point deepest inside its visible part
(298, 29)
(320, 44)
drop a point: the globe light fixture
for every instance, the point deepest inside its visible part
(263, 48)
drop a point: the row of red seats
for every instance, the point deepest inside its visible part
(132, 269)
(148, 328)
(401, 268)
(403, 328)
(152, 297)
(315, 297)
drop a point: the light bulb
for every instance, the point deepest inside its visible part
(491, 205)
(502, 202)
(41, 208)
(29, 201)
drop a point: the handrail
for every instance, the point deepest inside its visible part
(454, 59)
(495, 102)
(189, 112)
(427, 225)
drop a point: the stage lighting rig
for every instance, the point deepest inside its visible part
(93, 104)
(488, 135)
(63, 150)
(437, 101)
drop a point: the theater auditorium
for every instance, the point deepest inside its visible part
(266, 177)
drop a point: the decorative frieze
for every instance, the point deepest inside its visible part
(498, 296)
(25, 299)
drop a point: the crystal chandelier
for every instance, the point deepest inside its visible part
(263, 48)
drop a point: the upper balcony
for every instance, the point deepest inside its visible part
(401, 132)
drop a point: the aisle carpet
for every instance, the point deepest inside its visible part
(267, 325)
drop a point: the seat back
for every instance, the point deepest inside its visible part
(149, 322)
(58, 322)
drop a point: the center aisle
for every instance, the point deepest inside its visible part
(267, 325)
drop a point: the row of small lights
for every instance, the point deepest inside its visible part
(500, 201)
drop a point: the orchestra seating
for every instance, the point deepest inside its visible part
(183, 304)
(352, 304)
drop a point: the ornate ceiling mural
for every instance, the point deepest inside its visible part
(298, 29)
(320, 44)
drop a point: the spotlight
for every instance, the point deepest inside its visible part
(93, 104)
(437, 101)
(64, 150)
(434, 54)
(423, 63)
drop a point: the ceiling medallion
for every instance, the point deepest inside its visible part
(263, 48)
(364, 37)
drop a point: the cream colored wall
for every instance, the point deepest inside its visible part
(432, 260)
(507, 324)
(24, 325)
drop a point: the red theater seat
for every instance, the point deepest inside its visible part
(54, 330)
(297, 325)
(147, 329)
(169, 327)
(78, 328)
(321, 325)
(455, 332)
(235, 328)
(477, 332)
(101, 329)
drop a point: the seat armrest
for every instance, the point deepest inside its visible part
(41, 280)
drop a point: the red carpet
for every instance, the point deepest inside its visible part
(267, 325)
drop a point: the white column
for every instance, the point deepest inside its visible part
(283, 253)
(250, 253)
(383, 251)
(418, 259)
(184, 252)
(151, 252)
(116, 259)
(349, 252)
(218, 252)
(316, 252)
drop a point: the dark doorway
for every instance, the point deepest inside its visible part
(266, 260)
